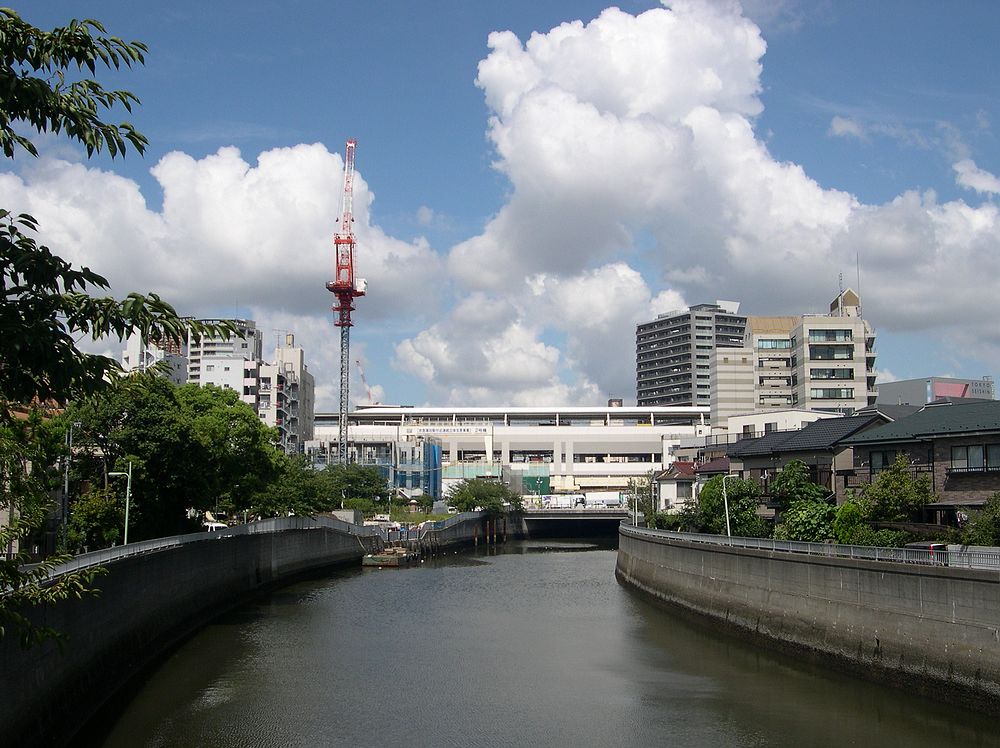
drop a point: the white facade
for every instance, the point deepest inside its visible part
(286, 396)
(140, 355)
(565, 449)
(227, 363)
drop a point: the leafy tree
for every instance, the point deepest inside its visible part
(190, 447)
(638, 493)
(807, 520)
(96, 520)
(896, 495)
(708, 513)
(849, 519)
(24, 503)
(45, 306)
(792, 484)
(354, 481)
(492, 497)
(983, 527)
(426, 503)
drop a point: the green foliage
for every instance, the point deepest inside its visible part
(708, 513)
(807, 520)
(97, 520)
(302, 490)
(45, 307)
(792, 484)
(637, 492)
(24, 504)
(33, 73)
(848, 520)
(666, 521)
(896, 495)
(425, 502)
(492, 497)
(983, 527)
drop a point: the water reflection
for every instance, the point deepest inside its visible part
(530, 644)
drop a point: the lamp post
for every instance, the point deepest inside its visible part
(65, 496)
(128, 495)
(725, 501)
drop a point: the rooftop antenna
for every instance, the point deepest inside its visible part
(858, 262)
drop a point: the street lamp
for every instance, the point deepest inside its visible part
(128, 495)
(65, 496)
(725, 501)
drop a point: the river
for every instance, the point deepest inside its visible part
(534, 644)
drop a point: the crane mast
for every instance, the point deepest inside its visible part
(346, 288)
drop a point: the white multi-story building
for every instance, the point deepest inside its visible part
(229, 363)
(286, 396)
(538, 449)
(141, 355)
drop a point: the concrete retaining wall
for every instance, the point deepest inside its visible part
(934, 629)
(146, 603)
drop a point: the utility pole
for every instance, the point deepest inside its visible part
(346, 288)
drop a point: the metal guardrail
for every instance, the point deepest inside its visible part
(955, 556)
(276, 524)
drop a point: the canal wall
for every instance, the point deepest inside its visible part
(471, 528)
(147, 602)
(934, 629)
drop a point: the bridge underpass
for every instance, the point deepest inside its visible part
(579, 522)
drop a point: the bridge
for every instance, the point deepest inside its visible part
(574, 523)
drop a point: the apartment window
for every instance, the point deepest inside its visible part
(210, 367)
(831, 352)
(244, 345)
(831, 373)
(832, 393)
(830, 336)
(225, 368)
(771, 343)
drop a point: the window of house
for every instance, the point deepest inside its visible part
(769, 427)
(244, 345)
(210, 367)
(993, 456)
(969, 458)
(881, 459)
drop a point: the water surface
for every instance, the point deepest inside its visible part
(535, 644)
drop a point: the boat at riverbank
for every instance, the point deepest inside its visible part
(391, 557)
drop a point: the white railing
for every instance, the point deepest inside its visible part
(969, 557)
(277, 524)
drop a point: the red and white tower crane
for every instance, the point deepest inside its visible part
(346, 288)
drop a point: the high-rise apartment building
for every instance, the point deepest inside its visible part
(141, 354)
(286, 396)
(231, 363)
(674, 352)
(282, 393)
(821, 362)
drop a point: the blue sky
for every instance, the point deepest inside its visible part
(500, 271)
